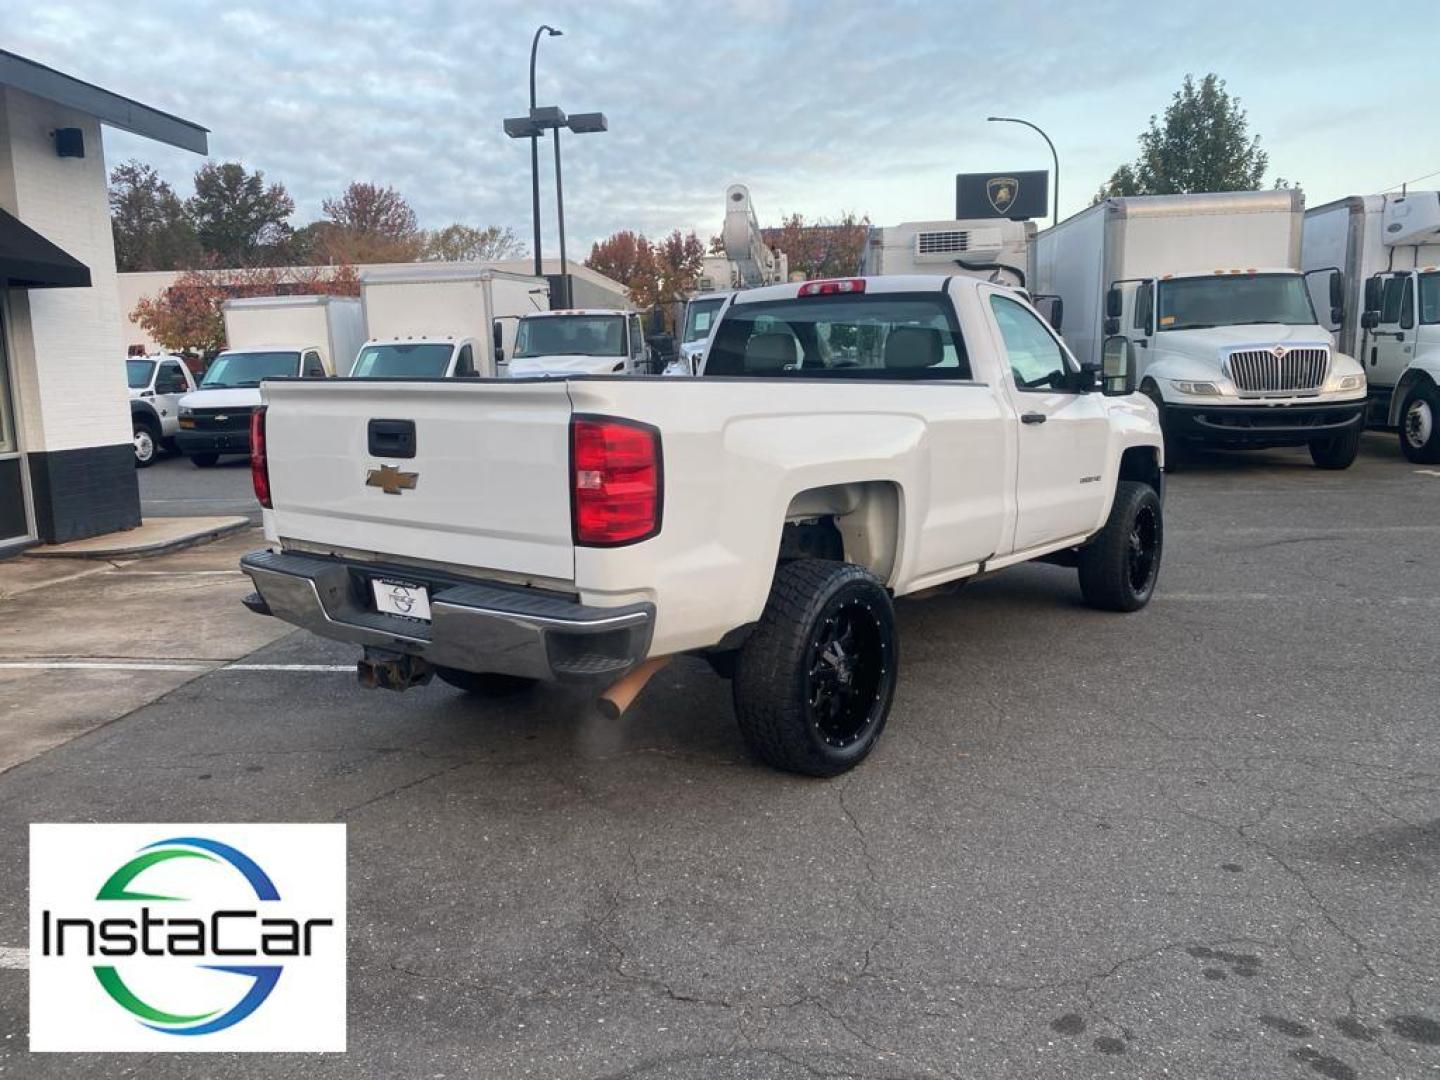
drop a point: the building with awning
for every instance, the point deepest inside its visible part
(66, 457)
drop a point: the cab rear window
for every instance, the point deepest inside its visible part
(874, 336)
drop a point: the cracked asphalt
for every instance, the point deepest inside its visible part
(1199, 841)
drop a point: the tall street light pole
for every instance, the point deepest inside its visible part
(1055, 194)
(535, 145)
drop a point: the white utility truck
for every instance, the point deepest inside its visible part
(1388, 249)
(265, 337)
(702, 312)
(848, 441)
(442, 322)
(1208, 288)
(580, 341)
(157, 383)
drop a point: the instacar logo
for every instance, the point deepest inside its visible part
(188, 943)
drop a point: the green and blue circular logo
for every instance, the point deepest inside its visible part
(189, 937)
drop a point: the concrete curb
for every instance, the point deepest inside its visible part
(156, 536)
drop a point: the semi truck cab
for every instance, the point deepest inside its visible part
(580, 341)
(1237, 357)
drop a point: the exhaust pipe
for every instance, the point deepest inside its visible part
(617, 699)
(381, 669)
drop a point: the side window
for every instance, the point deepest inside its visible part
(1390, 302)
(313, 369)
(465, 365)
(171, 380)
(1036, 359)
(1407, 303)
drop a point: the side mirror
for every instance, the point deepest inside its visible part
(1051, 309)
(499, 354)
(1337, 291)
(1373, 289)
(1337, 314)
(1369, 319)
(1112, 324)
(1113, 304)
(1145, 309)
(1090, 375)
(1117, 365)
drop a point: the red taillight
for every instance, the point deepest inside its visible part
(259, 463)
(615, 481)
(836, 285)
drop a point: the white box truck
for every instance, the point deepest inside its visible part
(1208, 291)
(442, 322)
(266, 337)
(1387, 248)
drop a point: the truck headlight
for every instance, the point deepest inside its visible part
(1198, 389)
(1350, 382)
(187, 418)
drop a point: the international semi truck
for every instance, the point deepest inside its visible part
(1387, 248)
(1209, 291)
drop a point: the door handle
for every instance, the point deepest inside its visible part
(1032, 418)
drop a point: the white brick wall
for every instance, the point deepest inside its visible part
(66, 343)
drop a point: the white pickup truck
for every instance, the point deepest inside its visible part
(847, 442)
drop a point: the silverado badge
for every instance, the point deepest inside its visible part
(391, 480)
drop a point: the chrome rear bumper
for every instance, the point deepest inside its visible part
(474, 626)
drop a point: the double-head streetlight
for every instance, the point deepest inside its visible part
(1055, 193)
(532, 127)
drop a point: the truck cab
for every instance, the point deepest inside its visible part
(419, 358)
(157, 383)
(1402, 327)
(215, 418)
(579, 341)
(702, 312)
(1238, 357)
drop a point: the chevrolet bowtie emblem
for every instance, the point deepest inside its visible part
(391, 480)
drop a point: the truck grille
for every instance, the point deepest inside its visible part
(236, 419)
(1294, 371)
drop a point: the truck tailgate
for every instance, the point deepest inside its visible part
(487, 486)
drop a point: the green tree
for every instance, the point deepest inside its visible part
(464, 243)
(240, 220)
(1203, 143)
(152, 230)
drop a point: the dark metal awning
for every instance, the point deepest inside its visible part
(29, 261)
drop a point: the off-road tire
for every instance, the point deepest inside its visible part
(204, 461)
(1110, 578)
(151, 431)
(794, 669)
(1338, 451)
(485, 683)
(1428, 451)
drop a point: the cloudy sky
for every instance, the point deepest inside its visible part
(820, 107)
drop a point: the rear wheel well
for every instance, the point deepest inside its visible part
(856, 523)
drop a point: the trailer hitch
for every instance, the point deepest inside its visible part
(387, 670)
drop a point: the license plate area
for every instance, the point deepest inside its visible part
(408, 599)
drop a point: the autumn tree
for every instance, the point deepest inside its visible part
(368, 223)
(677, 261)
(152, 230)
(1203, 143)
(240, 220)
(464, 243)
(823, 248)
(187, 316)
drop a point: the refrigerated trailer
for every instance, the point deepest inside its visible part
(1208, 292)
(993, 249)
(443, 321)
(1388, 250)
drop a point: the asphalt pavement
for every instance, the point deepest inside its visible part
(174, 487)
(1197, 841)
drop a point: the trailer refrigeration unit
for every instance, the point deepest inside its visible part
(1388, 250)
(993, 249)
(1208, 292)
